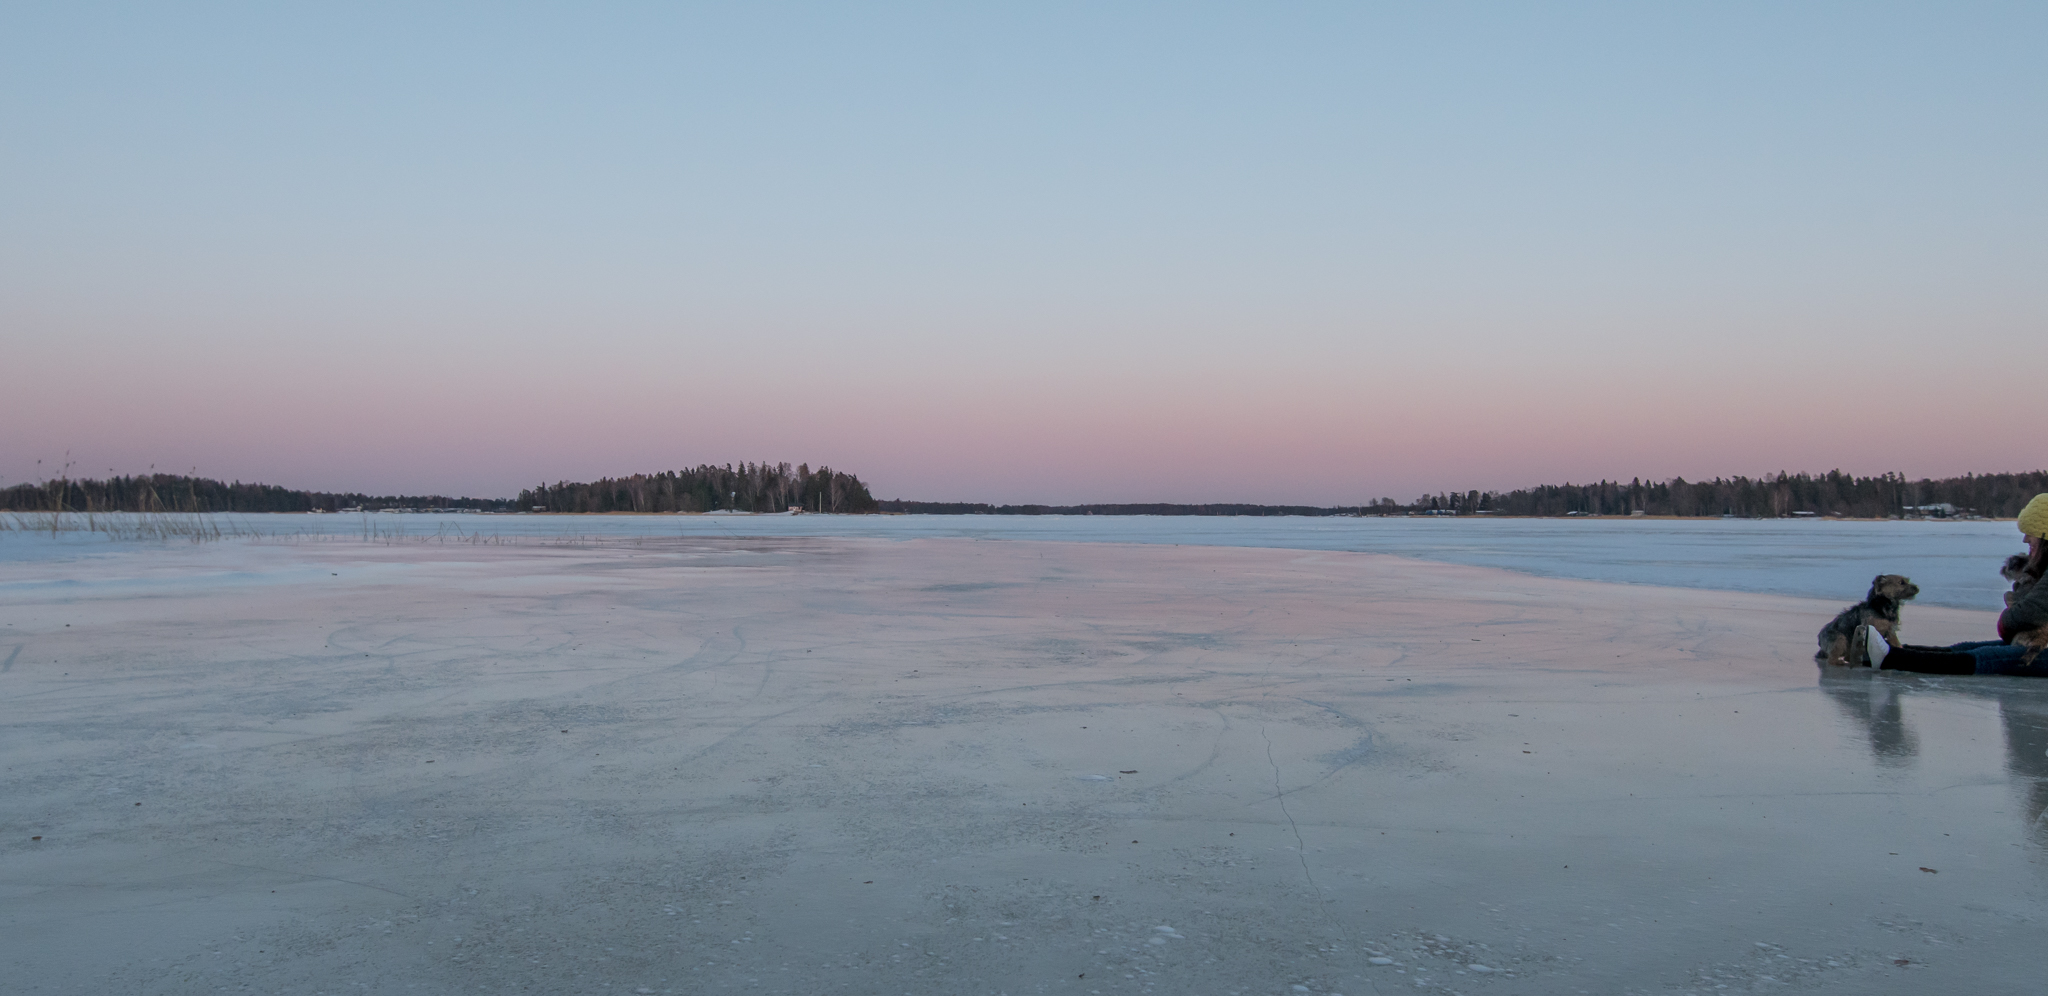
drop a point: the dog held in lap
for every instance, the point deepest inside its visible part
(1841, 640)
(2036, 639)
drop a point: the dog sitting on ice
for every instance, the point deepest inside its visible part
(1843, 636)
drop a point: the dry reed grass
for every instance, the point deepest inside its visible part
(203, 527)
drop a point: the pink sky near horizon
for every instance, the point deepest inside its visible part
(1319, 255)
(1280, 437)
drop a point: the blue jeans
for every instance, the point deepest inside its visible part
(1996, 657)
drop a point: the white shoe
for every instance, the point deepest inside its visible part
(1875, 647)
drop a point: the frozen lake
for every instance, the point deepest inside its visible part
(940, 766)
(1955, 563)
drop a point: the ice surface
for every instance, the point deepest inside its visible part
(1954, 562)
(1331, 779)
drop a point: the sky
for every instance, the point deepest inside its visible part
(1089, 252)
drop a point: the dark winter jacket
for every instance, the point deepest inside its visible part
(2029, 609)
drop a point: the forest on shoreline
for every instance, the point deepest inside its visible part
(1997, 496)
(747, 487)
(180, 493)
(763, 487)
(1783, 495)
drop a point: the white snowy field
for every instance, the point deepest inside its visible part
(939, 766)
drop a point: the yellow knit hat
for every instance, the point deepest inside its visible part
(2034, 518)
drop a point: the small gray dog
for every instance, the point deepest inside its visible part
(2015, 570)
(1843, 637)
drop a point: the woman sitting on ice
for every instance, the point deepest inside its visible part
(2021, 627)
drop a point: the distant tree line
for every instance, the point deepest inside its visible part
(765, 487)
(749, 487)
(178, 493)
(1833, 493)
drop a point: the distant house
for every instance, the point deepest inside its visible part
(1939, 510)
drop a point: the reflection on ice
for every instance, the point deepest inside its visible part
(1881, 705)
(1875, 705)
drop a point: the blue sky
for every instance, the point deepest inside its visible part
(1058, 252)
